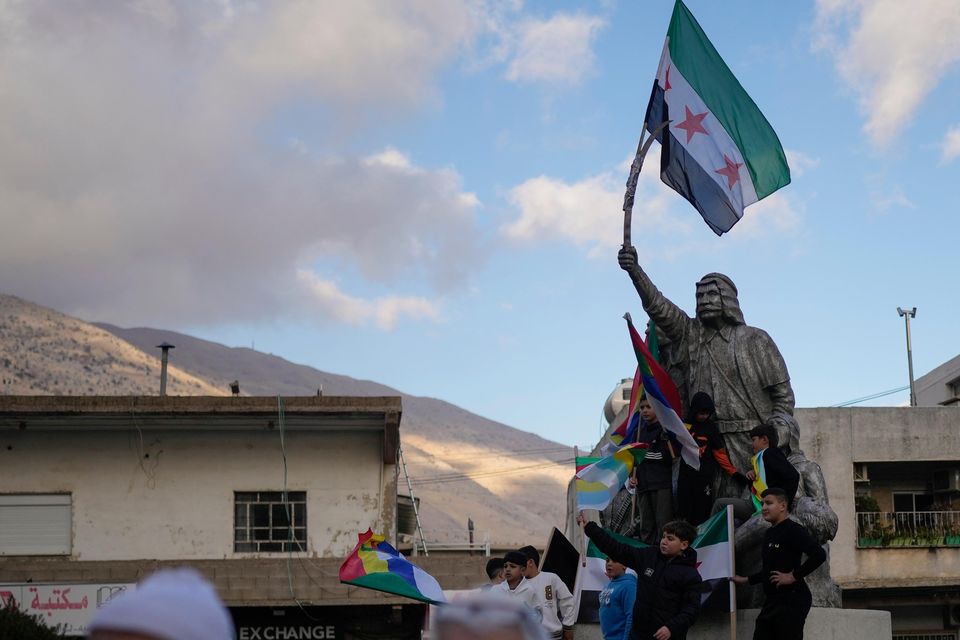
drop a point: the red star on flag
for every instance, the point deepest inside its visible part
(693, 124)
(731, 172)
(666, 80)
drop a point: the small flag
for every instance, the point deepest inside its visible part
(663, 397)
(760, 480)
(585, 461)
(719, 152)
(374, 564)
(598, 483)
(627, 431)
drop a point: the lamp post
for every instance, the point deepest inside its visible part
(906, 315)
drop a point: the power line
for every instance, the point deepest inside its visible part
(871, 397)
(487, 474)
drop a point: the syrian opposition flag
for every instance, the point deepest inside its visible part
(663, 397)
(714, 555)
(718, 151)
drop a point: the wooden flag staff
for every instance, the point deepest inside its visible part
(642, 147)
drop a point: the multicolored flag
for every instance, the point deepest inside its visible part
(760, 480)
(627, 430)
(719, 152)
(663, 397)
(585, 461)
(374, 564)
(598, 483)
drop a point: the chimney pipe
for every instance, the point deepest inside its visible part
(165, 350)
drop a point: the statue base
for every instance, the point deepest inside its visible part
(822, 624)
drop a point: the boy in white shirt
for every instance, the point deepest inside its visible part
(553, 598)
(514, 584)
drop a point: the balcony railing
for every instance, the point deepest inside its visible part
(908, 529)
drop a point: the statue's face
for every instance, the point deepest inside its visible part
(709, 302)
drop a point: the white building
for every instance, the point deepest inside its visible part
(96, 492)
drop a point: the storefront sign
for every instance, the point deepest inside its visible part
(70, 605)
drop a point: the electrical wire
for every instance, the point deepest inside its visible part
(459, 477)
(871, 397)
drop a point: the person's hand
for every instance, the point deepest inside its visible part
(581, 519)
(782, 579)
(751, 475)
(632, 482)
(741, 580)
(662, 634)
(627, 257)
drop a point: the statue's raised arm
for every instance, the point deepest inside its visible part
(664, 313)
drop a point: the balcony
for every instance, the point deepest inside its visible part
(921, 529)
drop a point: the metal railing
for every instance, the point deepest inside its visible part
(481, 547)
(908, 529)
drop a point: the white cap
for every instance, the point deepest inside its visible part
(171, 604)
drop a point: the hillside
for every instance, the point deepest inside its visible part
(461, 464)
(441, 441)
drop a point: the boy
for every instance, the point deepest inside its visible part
(695, 487)
(494, 572)
(654, 476)
(554, 599)
(775, 471)
(668, 585)
(514, 584)
(788, 598)
(616, 602)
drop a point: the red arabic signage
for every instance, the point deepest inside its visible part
(69, 605)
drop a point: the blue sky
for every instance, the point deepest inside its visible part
(427, 194)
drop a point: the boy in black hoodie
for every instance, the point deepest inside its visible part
(695, 487)
(668, 584)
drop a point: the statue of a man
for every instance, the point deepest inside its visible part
(739, 366)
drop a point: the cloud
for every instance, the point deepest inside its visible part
(326, 298)
(892, 53)
(951, 145)
(141, 178)
(557, 50)
(800, 163)
(589, 213)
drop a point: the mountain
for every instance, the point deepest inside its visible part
(508, 481)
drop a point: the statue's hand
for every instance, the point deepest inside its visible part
(627, 257)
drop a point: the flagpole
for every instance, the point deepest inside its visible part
(642, 147)
(576, 505)
(731, 536)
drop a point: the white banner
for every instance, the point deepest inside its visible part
(69, 605)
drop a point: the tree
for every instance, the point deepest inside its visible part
(18, 624)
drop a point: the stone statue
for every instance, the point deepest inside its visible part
(739, 366)
(742, 369)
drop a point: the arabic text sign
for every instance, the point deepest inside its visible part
(69, 605)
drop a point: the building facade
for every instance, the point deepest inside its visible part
(265, 496)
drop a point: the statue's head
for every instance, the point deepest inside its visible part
(717, 302)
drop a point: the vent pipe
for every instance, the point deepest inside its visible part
(165, 350)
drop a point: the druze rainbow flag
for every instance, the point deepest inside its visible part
(663, 397)
(760, 480)
(719, 152)
(598, 483)
(374, 564)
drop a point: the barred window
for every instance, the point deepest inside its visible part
(261, 523)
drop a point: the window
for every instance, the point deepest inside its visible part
(260, 521)
(910, 502)
(35, 524)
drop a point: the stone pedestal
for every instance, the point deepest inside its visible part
(822, 624)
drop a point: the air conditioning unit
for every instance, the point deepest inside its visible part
(946, 480)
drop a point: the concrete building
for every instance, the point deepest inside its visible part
(894, 481)
(940, 387)
(97, 492)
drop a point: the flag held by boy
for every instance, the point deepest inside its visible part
(374, 564)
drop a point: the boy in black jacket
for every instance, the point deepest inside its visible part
(668, 585)
(788, 598)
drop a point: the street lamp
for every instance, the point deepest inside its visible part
(906, 315)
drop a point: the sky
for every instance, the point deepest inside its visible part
(428, 194)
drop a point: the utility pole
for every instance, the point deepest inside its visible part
(906, 315)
